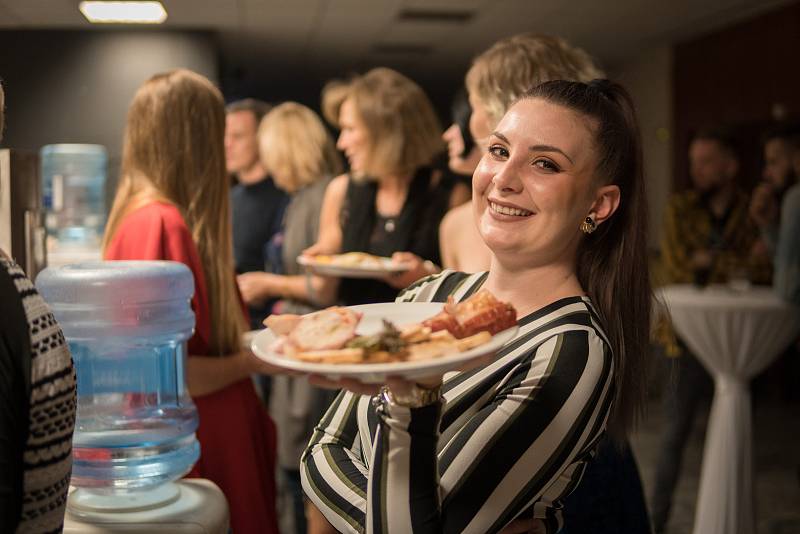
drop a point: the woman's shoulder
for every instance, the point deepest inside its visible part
(569, 316)
(336, 188)
(437, 287)
(316, 190)
(791, 201)
(152, 231)
(167, 214)
(455, 217)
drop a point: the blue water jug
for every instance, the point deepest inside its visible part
(127, 324)
(73, 193)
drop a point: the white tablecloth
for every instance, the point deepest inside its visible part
(735, 334)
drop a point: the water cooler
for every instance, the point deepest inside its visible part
(127, 324)
(73, 180)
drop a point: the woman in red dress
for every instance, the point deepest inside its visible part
(172, 204)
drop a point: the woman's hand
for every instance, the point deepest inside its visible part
(323, 246)
(418, 268)
(256, 287)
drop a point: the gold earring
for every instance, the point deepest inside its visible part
(588, 225)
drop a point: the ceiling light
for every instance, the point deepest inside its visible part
(123, 12)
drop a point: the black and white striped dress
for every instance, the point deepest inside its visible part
(509, 440)
(37, 409)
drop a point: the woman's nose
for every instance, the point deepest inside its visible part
(507, 178)
(450, 133)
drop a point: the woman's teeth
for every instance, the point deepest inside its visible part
(505, 210)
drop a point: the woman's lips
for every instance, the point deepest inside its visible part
(510, 211)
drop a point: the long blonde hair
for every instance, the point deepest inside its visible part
(296, 148)
(174, 152)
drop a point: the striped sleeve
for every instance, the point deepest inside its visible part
(510, 455)
(333, 472)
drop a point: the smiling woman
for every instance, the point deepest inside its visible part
(498, 448)
(532, 188)
(393, 199)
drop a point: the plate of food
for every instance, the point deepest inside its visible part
(352, 265)
(372, 341)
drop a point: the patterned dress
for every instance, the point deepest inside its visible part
(37, 409)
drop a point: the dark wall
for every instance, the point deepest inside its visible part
(277, 83)
(742, 77)
(75, 86)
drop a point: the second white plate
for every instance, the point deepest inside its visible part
(385, 267)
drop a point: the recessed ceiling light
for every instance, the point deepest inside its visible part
(123, 12)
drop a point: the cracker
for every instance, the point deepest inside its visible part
(332, 356)
(473, 341)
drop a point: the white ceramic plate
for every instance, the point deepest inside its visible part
(400, 313)
(385, 266)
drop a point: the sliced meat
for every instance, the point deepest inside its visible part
(327, 329)
(480, 312)
(282, 324)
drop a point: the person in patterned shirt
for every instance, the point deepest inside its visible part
(708, 235)
(37, 406)
(708, 238)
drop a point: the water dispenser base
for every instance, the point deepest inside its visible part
(84, 501)
(200, 508)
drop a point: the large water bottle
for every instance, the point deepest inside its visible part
(73, 194)
(127, 324)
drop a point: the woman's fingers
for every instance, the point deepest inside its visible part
(247, 287)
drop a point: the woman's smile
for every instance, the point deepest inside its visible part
(505, 211)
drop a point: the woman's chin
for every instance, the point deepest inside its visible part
(501, 244)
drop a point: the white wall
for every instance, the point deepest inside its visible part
(648, 78)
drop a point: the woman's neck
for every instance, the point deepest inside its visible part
(394, 182)
(392, 193)
(530, 289)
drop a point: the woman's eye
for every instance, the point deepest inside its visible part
(546, 164)
(498, 151)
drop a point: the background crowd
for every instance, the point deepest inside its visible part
(239, 192)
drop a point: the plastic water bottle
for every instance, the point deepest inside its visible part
(127, 324)
(73, 189)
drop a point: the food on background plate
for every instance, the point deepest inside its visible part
(351, 259)
(329, 336)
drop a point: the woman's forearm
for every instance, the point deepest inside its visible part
(207, 374)
(256, 287)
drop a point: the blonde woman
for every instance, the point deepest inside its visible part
(299, 154)
(495, 80)
(392, 201)
(172, 204)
